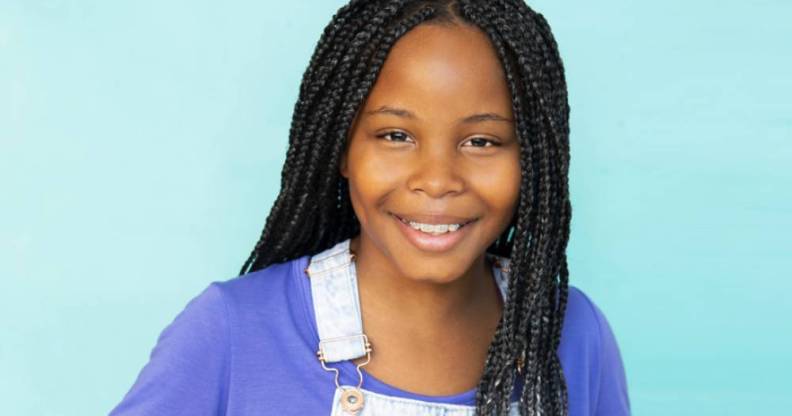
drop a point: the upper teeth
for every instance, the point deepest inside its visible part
(434, 228)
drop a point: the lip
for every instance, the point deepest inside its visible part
(434, 243)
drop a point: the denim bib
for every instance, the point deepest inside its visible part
(336, 304)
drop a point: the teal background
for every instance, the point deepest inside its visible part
(141, 147)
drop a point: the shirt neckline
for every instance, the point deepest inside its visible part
(348, 367)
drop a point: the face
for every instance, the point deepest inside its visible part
(435, 144)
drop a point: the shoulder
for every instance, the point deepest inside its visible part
(270, 276)
(191, 364)
(586, 325)
(269, 299)
(226, 309)
(591, 355)
(272, 284)
(213, 314)
(582, 314)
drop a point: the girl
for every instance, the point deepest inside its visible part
(414, 261)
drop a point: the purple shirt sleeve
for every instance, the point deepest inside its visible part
(187, 369)
(612, 398)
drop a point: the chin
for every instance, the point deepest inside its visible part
(427, 273)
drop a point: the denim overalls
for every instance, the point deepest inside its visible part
(338, 320)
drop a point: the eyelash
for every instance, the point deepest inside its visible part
(388, 133)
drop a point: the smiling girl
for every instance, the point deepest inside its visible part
(414, 262)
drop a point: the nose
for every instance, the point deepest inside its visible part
(436, 173)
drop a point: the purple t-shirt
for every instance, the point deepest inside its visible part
(247, 346)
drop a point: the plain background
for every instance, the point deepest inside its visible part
(142, 143)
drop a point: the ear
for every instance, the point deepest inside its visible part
(342, 166)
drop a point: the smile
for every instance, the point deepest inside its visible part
(435, 237)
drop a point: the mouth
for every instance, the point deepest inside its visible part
(436, 234)
(434, 224)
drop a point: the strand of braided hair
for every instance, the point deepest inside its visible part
(313, 211)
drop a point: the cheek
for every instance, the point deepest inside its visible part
(371, 178)
(500, 187)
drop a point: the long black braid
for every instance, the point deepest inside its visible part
(313, 211)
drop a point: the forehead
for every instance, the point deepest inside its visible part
(442, 72)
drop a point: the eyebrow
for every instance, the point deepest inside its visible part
(474, 118)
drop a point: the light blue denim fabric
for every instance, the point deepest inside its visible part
(381, 405)
(336, 303)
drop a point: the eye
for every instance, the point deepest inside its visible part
(483, 142)
(394, 136)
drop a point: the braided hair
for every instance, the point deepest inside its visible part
(313, 211)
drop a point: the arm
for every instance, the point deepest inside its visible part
(187, 371)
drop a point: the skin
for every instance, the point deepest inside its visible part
(431, 316)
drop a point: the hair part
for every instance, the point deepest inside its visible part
(313, 210)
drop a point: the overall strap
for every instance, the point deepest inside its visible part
(336, 304)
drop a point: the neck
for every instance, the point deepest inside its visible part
(427, 307)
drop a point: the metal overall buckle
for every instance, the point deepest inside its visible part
(352, 400)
